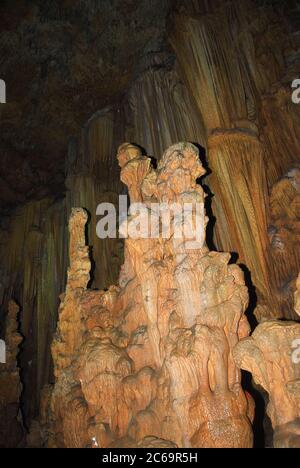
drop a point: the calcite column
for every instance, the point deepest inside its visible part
(153, 356)
(11, 427)
(272, 355)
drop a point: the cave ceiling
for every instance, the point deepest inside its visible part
(61, 62)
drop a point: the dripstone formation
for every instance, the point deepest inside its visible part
(149, 362)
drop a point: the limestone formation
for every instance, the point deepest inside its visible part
(11, 428)
(238, 65)
(272, 355)
(149, 362)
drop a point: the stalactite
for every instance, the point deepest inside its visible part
(237, 159)
(149, 363)
(234, 151)
(272, 355)
(160, 110)
(11, 427)
(93, 177)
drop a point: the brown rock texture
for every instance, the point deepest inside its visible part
(297, 296)
(284, 234)
(148, 363)
(11, 428)
(272, 355)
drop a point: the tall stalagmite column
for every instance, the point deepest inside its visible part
(69, 410)
(149, 363)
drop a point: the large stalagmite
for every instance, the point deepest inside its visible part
(149, 362)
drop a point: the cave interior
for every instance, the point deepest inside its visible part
(115, 341)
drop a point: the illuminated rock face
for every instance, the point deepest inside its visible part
(11, 429)
(149, 362)
(272, 355)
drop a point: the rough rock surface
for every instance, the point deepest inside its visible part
(272, 355)
(149, 362)
(11, 428)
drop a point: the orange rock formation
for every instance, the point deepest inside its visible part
(149, 362)
(272, 355)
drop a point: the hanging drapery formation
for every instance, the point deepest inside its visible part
(237, 160)
(224, 66)
(11, 426)
(223, 106)
(160, 110)
(149, 363)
